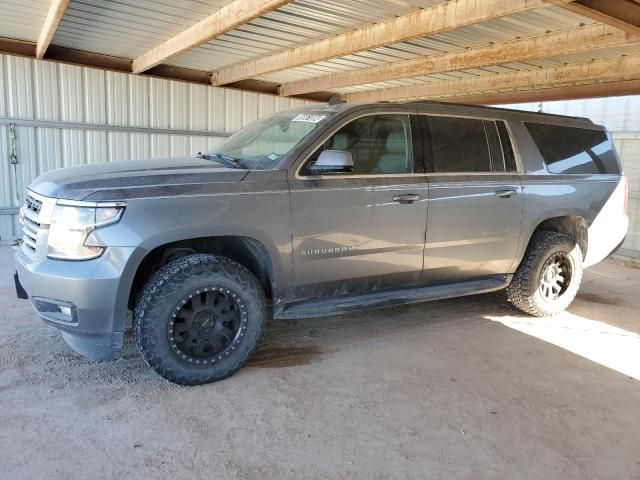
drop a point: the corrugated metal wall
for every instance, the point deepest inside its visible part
(621, 115)
(107, 116)
(100, 116)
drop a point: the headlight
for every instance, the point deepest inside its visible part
(70, 226)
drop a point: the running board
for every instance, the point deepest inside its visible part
(389, 298)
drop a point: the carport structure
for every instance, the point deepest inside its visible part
(91, 81)
(472, 51)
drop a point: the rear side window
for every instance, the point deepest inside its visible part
(574, 150)
(466, 145)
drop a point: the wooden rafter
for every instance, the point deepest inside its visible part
(574, 92)
(438, 18)
(107, 62)
(575, 40)
(51, 22)
(622, 14)
(227, 18)
(597, 71)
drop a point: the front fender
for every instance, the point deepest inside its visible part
(150, 223)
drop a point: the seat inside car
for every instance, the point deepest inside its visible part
(394, 160)
(342, 141)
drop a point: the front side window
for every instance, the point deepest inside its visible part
(467, 145)
(262, 144)
(377, 144)
(574, 150)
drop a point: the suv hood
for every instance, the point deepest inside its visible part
(135, 178)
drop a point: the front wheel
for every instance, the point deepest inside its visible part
(199, 319)
(549, 276)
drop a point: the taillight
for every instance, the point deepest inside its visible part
(625, 182)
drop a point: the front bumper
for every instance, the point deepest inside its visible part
(92, 293)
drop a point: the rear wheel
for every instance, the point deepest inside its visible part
(549, 276)
(199, 319)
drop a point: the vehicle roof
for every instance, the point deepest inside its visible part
(501, 109)
(512, 114)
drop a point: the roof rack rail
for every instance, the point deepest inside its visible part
(436, 102)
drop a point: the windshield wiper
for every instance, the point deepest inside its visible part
(223, 159)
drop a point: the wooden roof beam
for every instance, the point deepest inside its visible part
(51, 22)
(118, 64)
(231, 16)
(575, 40)
(442, 17)
(574, 92)
(622, 14)
(597, 71)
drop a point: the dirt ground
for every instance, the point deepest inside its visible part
(458, 389)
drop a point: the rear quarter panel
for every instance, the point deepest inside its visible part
(596, 198)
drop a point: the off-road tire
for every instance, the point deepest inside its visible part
(162, 295)
(524, 291)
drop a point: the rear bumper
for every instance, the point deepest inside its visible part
(609, 228)
(82, 299)
(606, 235)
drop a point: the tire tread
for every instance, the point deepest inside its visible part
(150, 308)
(521, 291)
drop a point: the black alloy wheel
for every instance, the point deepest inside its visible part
(206, 324)
(199, 318)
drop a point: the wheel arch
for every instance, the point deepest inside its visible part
(574, 224)
(247, 250)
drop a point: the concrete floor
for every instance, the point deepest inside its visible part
(459, 389)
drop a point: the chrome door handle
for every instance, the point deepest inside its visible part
(407, 198)
(506, 193)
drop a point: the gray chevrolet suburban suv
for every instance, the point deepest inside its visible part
(318, 211)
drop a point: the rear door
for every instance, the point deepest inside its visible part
(475, 198)
(361, 231)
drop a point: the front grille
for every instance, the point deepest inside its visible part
(35, 219)
(33, 204)
(30, 230)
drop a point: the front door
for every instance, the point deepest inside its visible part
(475, 199)
(363, 230)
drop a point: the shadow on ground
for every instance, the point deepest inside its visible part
(465, 388)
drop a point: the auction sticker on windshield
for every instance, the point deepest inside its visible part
(308, 117)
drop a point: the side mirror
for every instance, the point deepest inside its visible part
(332, 161)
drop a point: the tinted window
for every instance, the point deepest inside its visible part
(574, 150)
(458, 145)
(379, 144)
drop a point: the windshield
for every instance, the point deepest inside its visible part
(260, 145)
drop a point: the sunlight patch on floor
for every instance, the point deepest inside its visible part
(597, 341)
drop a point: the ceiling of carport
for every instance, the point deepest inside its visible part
(354, 48)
